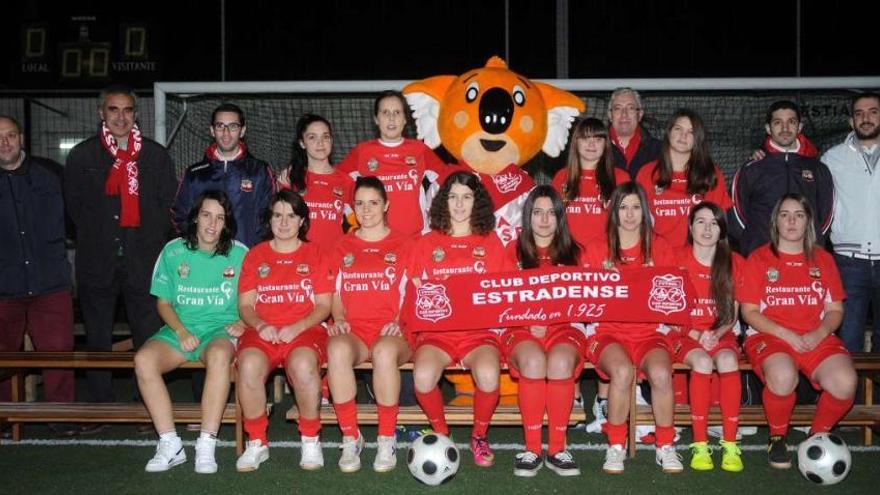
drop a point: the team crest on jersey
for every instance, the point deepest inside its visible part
(608, 265)
(807, 175)
(183, 270)
(479, 252)
(247, 185)
(337, 191)
(390, 258)
(667, 294)
(658, 190)
(348, 260)
(229, 272)
(815, 272)
(507, 182)
(773, 275)
(263, 270)
(410, 160)
(303, 269)
(372, 164)
(438, 255)
(432, 304)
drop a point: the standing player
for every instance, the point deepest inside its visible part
(284, 295)
(792, 298)
(587, 180)
(370, 267)
(196, 283)
(547, 359)
(710, 341)
(401, 164)
(682, 177)
(327, 191)
(462, 241)
(618, 348)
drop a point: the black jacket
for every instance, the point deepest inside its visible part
(33, 259)
(648, 151)
(100, 241)
(758, 185)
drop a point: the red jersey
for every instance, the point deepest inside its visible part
(437, 256)
(661, 254)
(330, 198)
(402, 168)
(371, 276)
(703, 312)
(670, 207)
(790, 290)
(286, 283)
(586, 214)
(508, 190)
(543, 257)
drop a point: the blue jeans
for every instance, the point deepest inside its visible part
(861, 281)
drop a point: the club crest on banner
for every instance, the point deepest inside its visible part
(667, 294)
(432, 304)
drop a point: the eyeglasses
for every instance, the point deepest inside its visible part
(625, 110)
(231, 127)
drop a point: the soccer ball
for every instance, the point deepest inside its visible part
(824, 459)
(433, 459)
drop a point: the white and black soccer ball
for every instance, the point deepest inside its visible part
(824, 459)
(433, 459)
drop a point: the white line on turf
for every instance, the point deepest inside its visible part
(370, 445)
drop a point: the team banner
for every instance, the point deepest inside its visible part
(545, 296)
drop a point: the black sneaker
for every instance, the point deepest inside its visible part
(527, 464)
(777, 452)
(562, 463)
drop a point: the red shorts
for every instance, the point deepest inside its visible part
(682, 345)
(370, 333)
(458, 344)
(314, 338)
(556, 335)
(758, 347)
(636, 348)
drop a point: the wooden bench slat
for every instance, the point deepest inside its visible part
(39, 412)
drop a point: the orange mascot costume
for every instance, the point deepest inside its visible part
(493, 120)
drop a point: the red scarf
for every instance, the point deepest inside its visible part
(122, 180)
(805, 147)
(213, 152)
(629, 152)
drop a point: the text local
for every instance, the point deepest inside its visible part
(515, 294)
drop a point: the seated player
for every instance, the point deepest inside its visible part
(792, 299)
(370, 267)
(196, 283)
(284, 296)
(547, 359)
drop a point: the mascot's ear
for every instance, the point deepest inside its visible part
(562, 108)
(424, 99)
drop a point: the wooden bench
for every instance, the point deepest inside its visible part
(865, 416)
(18, 411)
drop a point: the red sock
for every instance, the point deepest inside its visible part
(665, 435)
(699, 395)
(560, 399)
(484, 408)
(731, 396)
(256, 428)
(309, 427)
(531, 396)
(616, 433)
(829, 411)
(347, 417)
(387, 419)
(432, 405)
(680, 387)
(778, 409)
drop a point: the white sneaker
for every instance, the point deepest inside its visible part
(169, 453)
(668, 459)
(311, 455)
(614, 457)
(386, 454)
(600, 410)
(255, 454)
(350, 460)
(205, 463)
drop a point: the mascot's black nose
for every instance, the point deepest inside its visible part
(496, 111)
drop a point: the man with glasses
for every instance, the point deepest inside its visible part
(633, 145)
(229, 167)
